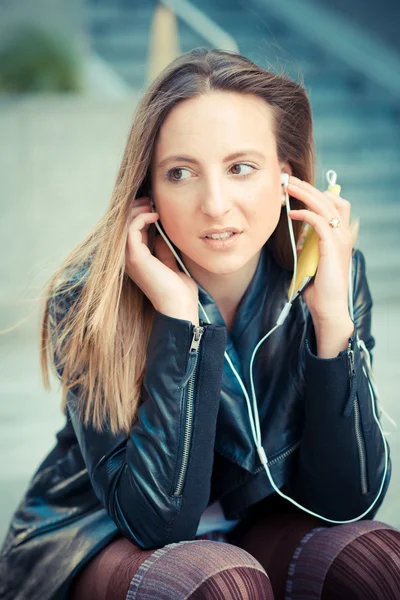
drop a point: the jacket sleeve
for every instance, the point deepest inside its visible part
(155, 483)
(341, 462)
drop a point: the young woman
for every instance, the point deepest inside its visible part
(167, 480)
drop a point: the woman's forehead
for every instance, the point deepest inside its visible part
(227, 122)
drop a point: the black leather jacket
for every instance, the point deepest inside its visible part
(192, 443)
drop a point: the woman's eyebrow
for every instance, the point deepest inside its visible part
(190, 159)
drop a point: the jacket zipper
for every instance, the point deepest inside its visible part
(189, 394)
(281, 456)
(284, 455)
(357, 429)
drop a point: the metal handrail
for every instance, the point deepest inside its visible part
(202, 24)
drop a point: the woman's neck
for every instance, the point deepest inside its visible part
(227, 290)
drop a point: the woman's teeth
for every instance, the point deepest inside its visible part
(220, 236)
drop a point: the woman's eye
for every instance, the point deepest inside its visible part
(174, 175)
(178, 174)
(242, 169)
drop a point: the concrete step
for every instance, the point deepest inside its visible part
(352, 138)
(363, 197)
(134, 73)
(374, 155)
(375, 174)
(334, 91)
(329, 143)
(368, 153)
(383, 214)
(350, 108)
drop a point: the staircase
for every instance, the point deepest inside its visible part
(356, 123)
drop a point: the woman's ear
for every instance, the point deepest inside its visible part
(285, 168)
(153, 206)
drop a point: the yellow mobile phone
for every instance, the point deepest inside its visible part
(308, 258)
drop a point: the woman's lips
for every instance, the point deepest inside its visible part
(222, 244)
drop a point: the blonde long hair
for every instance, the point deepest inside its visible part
(96, 321)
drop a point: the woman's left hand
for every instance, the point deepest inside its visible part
(327, 295)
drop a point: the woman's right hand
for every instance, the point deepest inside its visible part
(169, 290)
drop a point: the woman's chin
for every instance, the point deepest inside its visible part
(220, 263)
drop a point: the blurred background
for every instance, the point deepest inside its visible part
(71, 74)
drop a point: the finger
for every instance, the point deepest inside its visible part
(138, 205)
(321, 226)
(307, 187)
(342, 206)
(326, 197)
(140, 200)
(330, 198)
(140, 210)
(314, 199)
(164, 254)
(139, 225)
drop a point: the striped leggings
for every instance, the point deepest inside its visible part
(286, 556)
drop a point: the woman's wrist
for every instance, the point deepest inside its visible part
(177, 312)
(333, 337)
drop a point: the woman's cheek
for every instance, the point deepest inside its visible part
(178, 226)
(266, 220)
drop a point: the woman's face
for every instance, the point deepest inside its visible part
(215, 166)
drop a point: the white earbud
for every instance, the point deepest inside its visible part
(284, 179)
(284, 182)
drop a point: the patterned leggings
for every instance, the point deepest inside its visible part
(287, 556)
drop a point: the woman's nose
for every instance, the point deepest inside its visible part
(216, 202)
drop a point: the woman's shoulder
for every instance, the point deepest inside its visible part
(361, 290)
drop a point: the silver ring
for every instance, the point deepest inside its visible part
(334, 222)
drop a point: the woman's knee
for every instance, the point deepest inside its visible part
(108, 575)
(201, 570)
(367, 566)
